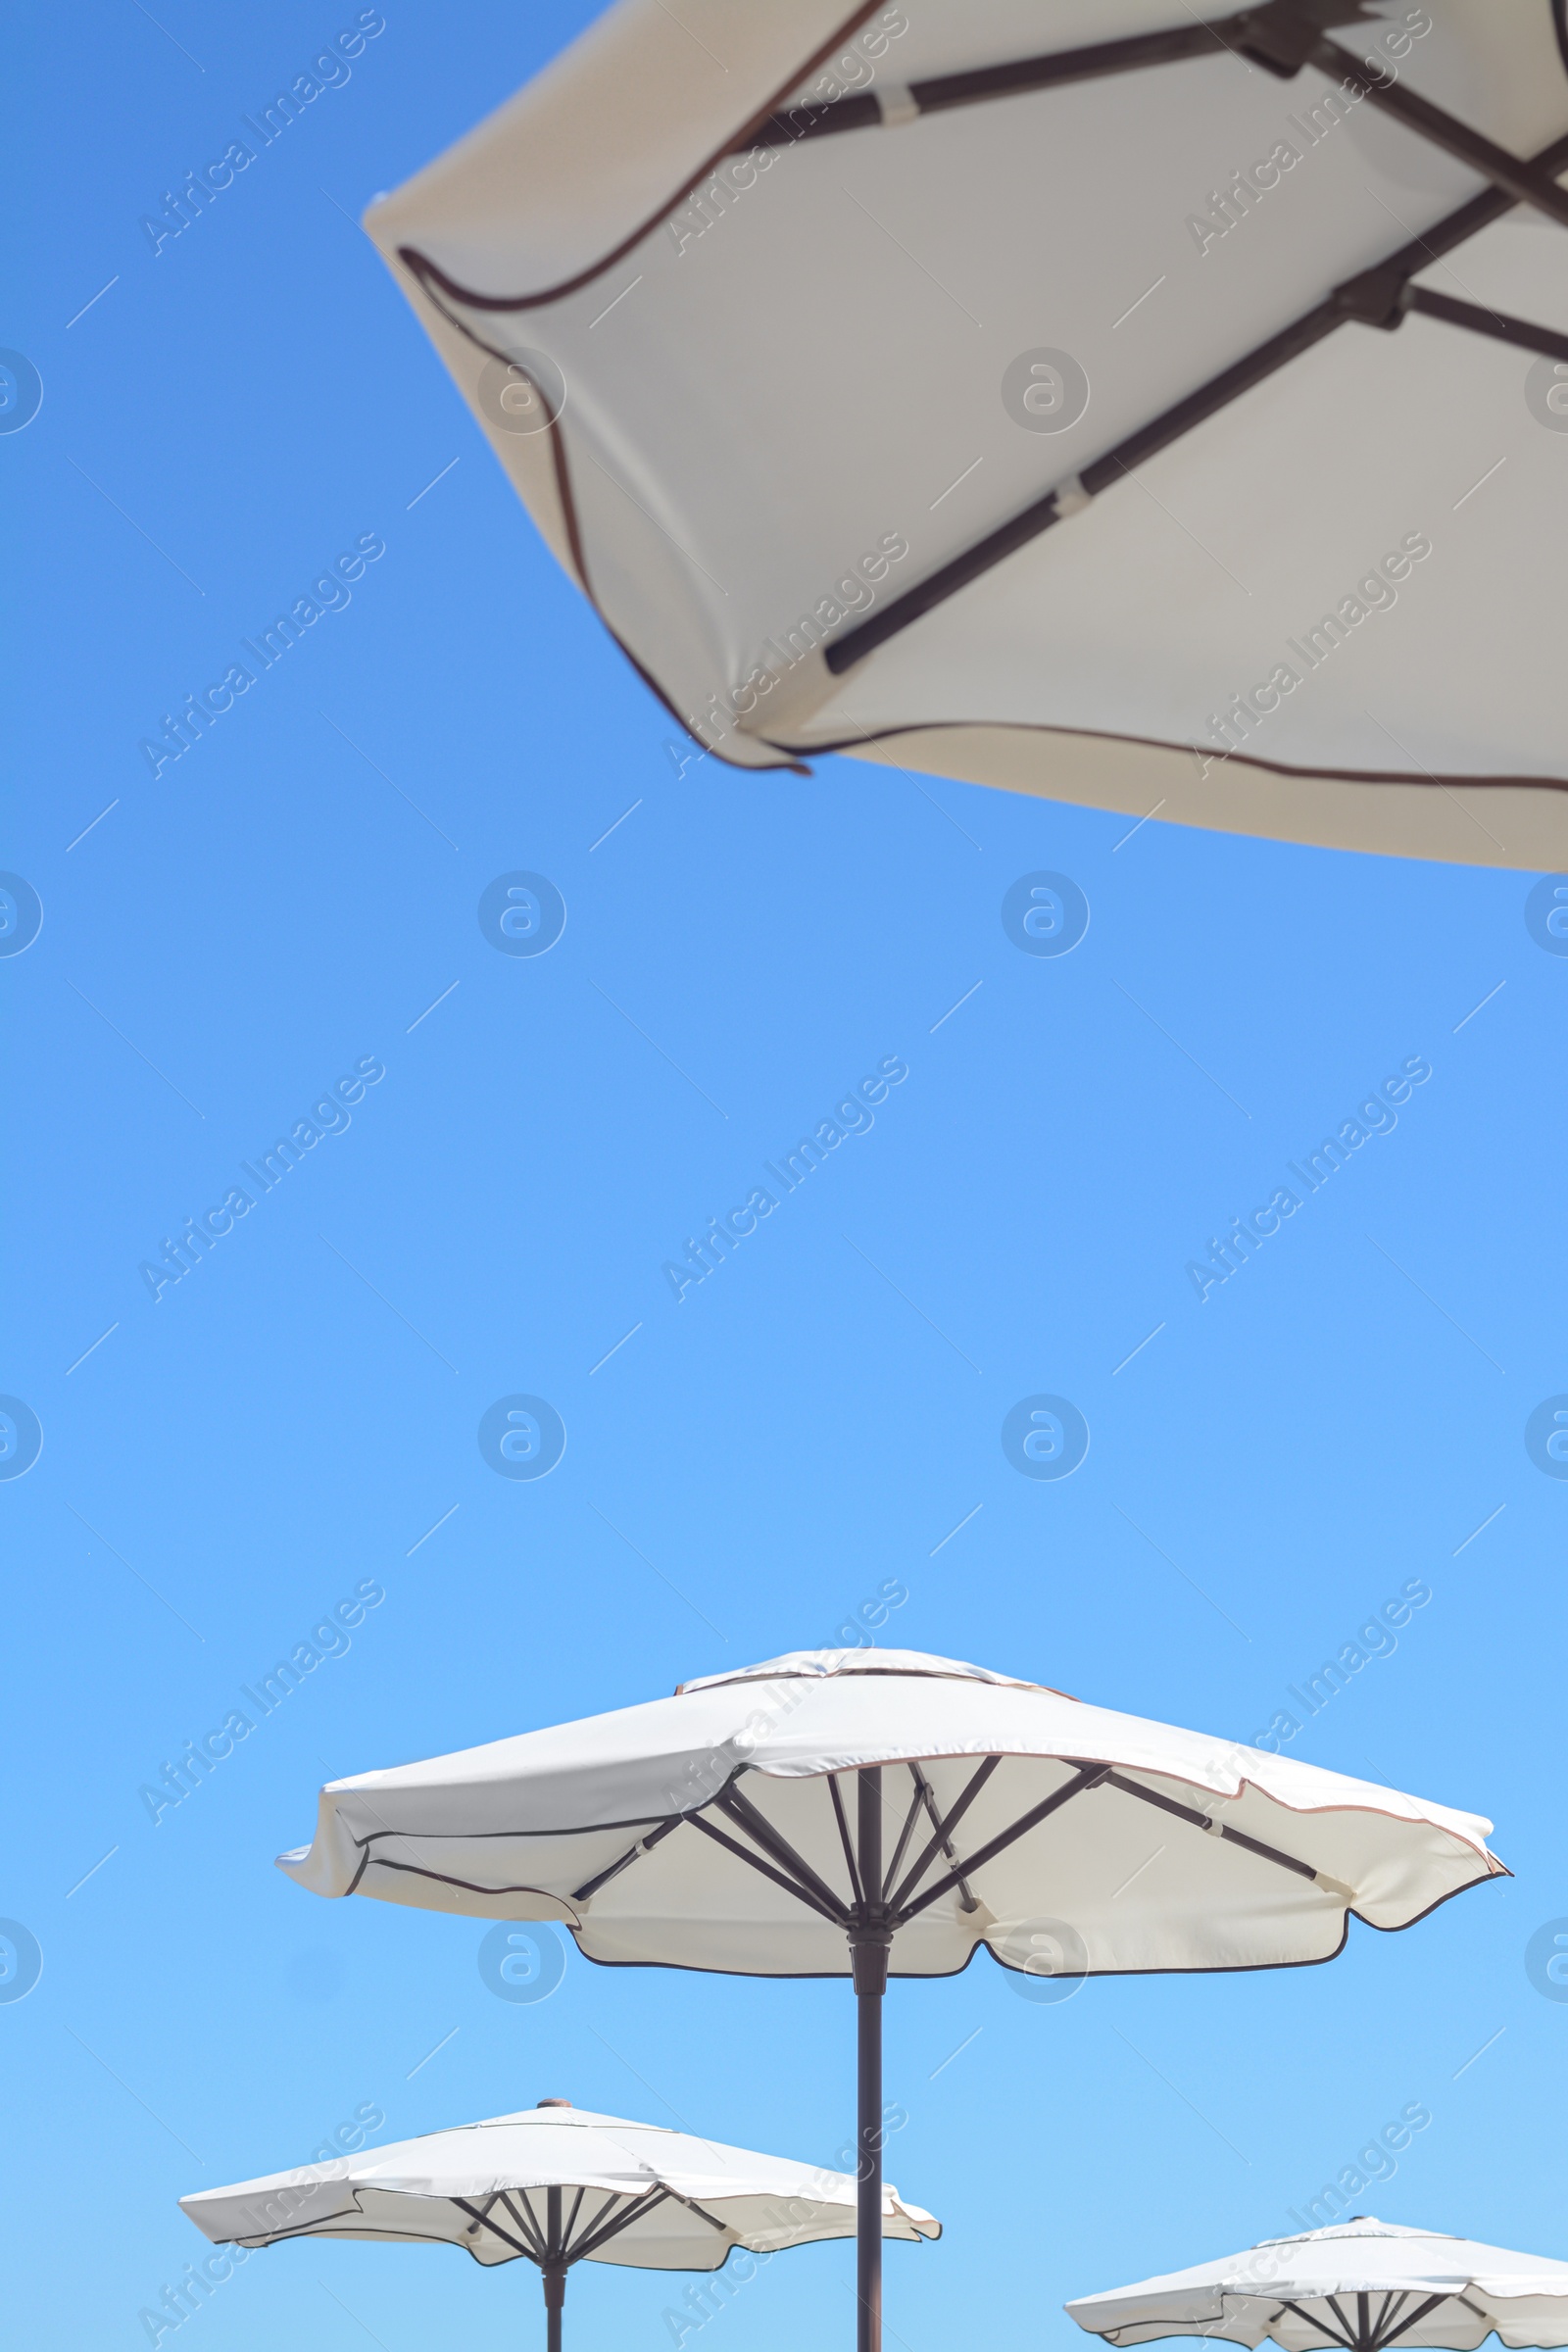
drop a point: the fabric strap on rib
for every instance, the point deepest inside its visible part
(1202, 1820)
(937, 93)
(862, 110)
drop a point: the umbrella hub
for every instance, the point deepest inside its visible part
(870, 1936)
(555, 2278)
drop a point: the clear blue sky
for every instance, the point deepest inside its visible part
(283, 1425)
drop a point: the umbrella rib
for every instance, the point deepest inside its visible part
(1419, 2314)
(1520, 179)
(526, 2218)
(1089, 1776)
(571, 2253)
(942, 1829)
(942, 1840)
(766, 1869)
(463, 2205)
(1497, 323)
(910, 1818)
(591, 1887)
(1317, 2325)
(1375, 297)
(936, 92)
(1199, 1820)
(702, 2213)
(571, 2222)
(748, 1817)
(1282, 37)
(1393, 2300)
(856, 1891)
(622, 2221)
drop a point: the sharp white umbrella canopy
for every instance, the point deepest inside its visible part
(1067, 395)
(554, 2186)
(865, 1812)
(1363, 2285)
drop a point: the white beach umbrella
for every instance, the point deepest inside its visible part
(1360, 2286)
(554, 2186)
(991, 387)
(861, 1812)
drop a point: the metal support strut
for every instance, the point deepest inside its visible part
(870, 1940)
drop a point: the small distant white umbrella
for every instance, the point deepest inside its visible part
(1362, 2285)
(864, 1813)
(873, 415)
(554, 2186)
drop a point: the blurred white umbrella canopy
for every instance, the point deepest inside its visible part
(994, 388)
(554, 2186)
(712, 1831)
(1362, 2285)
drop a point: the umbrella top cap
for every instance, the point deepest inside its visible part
(1358, 2225)
(817, 1665)
(554, 2102)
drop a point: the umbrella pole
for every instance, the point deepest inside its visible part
(552, 2270)
(869, 1941)
(555, 2284)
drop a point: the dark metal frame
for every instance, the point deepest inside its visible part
(937, 93)
(549, 2245)
(878, 1903)
(1363, 2333)
(881, 1901)
(1282, 36)
(1379, 297)
(552, 2245)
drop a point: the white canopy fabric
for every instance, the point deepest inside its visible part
(1358, 2286)
(920, 381)
(708, 1831)
(650, 2198)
